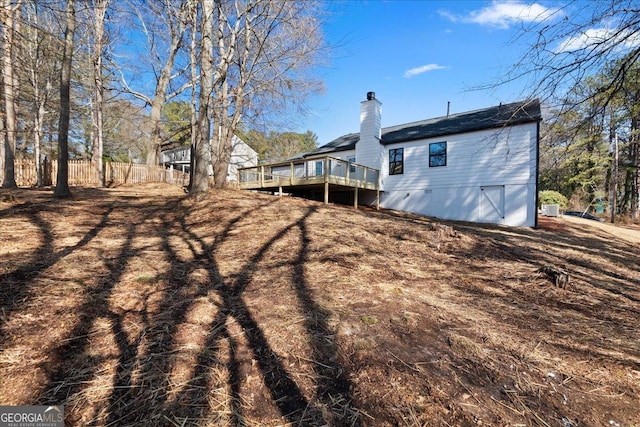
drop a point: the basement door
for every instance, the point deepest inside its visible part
(492, 203)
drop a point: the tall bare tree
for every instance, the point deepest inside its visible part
(194, 54)
(200, 164)
(9, 11)
(572, 45)
(40, 62)
(174, 15)
(62, 183)
(99, 42)
(264, 52)
(574, 42)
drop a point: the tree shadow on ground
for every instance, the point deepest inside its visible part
(16, 290)
(71, 366)
(142, 390)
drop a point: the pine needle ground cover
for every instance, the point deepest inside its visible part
(140, 306)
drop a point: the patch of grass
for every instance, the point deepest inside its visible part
(369, 320)
(148, 280)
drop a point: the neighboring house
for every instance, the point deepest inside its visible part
(478, 166)
(241, 156)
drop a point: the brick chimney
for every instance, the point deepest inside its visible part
(368, 148)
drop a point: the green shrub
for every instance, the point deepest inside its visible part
(550, 197)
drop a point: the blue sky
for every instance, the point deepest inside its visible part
(417, 56)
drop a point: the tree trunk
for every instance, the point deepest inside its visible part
(226, 49)
(635, 180)
(2, 141)
(62, 184)
(8, 85)
(201, 152)
(37, 142)
(100, 10)
(193, 59)
(39, 96)
(160, 96)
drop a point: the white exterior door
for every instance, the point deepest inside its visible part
(492, 203)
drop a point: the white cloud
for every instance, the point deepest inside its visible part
(600, 39)
(450, 16)
(502, 14)
(423, 69)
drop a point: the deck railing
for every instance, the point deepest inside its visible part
(327, 170)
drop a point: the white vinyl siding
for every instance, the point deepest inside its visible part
(498, 157)
(242, 156)
(368, 149)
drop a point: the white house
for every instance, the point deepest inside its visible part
(478, 166)
(242, 155)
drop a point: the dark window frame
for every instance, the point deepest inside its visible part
(396, 161)
(437, 158)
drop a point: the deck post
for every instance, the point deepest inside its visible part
(280, 190)
(291, 174)
(261, 176)
(326, 169)
(326, 193)
(348, 174)
(326, 180)
(355, 197)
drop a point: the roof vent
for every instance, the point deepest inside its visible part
(371, 96)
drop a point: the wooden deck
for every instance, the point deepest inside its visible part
(327, 174)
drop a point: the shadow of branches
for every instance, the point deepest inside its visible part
(16, 285)
(144, 361)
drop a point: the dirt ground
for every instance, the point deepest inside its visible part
(140, 306)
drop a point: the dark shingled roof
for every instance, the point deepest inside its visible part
(488, 118)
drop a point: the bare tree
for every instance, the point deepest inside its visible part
(97, 140)
(201, 159)
(2, 138)
(62, 183)
(174, 15)
(595, 47)
(573, 43)
(264, 52)
(194, 54)
(40, 62)
(9, 11)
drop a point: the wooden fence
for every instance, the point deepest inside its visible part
(84, 173)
